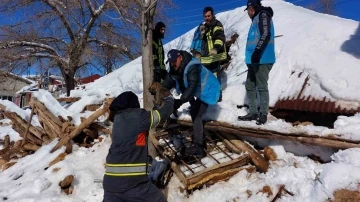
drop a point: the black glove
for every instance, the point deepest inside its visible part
(177, 104)
(256, 56)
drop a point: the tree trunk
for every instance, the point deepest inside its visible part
(69, 81)
(147, 61)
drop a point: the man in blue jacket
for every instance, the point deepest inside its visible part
(192, 79)
(127, 163)
(260, 57)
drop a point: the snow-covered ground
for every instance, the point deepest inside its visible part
(312, 43)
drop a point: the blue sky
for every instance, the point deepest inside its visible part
(189, 13)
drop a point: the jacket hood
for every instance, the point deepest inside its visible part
(260, 9)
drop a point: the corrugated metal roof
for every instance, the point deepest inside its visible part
(310, 98)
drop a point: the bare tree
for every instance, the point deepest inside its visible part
(324, 6)
(68, 33)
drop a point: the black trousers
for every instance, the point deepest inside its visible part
(145, 192)
(198, 109)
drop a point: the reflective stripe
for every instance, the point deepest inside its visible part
(213, 58)
(151, 119)
(218, 42)
(125, 164)
(155, 119)
(216, 28)
(125, 174)
(124, 169)
(210, 42)
(155, 44)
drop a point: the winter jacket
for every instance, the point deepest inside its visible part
(193, 79)
(127, 160)
(261, 37)
(158, 51)
(214, 38)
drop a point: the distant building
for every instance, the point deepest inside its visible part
(10, 84)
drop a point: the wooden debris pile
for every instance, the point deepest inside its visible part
(47, 128)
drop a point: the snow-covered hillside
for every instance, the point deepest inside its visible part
(319, 45)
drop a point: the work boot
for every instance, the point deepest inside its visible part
(248, 117)
(195, 150)
(262, 119)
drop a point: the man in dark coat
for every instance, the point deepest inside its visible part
(260, 57)
(213, 49)
(158, 52)
(127, 163)
(192, 79)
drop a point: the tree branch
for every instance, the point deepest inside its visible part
(62, 18)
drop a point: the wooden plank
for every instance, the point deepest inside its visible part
(6, 141)
(259, 133)
(180, 174)
(28, 125)
(79, 128)
(19, 121)
(259, 161)
(68, 99)
(93, 107)
(52, 128)
(218, 169)
(46, 112)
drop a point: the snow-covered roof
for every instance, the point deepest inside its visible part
(310, 48)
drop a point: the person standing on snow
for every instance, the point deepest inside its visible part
(192, 79)
(127, 163)
(260, 57)
(158, 52)
(211, 50)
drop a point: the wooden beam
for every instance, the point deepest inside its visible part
(80, 128)
(17, 120)
(7, 141)
(218, 169)
(68, 99)
(265, 134)
(52, 128)
(46, 112)
(28, 125)
(259, 161)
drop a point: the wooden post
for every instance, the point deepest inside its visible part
(28, 125)
(148, 12)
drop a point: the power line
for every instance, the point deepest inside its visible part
(196, 9)
(198, 21)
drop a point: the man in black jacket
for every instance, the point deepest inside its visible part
(126, 175)
(192, 79)
(158, 52)
(213, 49)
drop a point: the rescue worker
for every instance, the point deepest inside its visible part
(127, 163)
(213, 49)
(260, 57)
(158, 52)
(192, 79)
